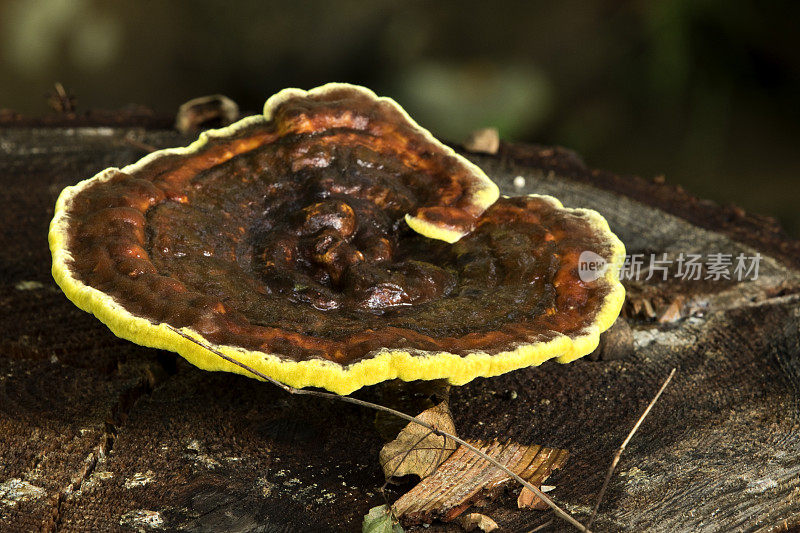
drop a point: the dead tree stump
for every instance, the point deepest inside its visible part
(97, 433)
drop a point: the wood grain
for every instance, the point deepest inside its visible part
(116, 437)
(465, 479)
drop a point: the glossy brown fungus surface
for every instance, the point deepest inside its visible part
(289, 237)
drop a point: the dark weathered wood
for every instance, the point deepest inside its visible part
(99, 434)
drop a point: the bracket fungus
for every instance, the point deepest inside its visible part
(333, 242)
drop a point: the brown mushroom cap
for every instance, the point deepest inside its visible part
(333, 242)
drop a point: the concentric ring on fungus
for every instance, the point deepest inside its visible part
(333, 242)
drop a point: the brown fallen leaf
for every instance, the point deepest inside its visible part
(473, 521)
(464, 479)
(417, 450)
(528, 500)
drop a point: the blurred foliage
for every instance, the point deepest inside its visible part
(703, 91)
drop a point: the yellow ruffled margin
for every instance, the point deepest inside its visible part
(384, 364)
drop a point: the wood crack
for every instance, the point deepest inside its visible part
(118, 416)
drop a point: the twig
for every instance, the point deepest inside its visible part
(622, 448)
(396, 468)
(149, 148)
(60, 100)
(541, 527)
(331, 396)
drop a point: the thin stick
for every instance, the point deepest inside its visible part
(622, 448)
(61, 101)
(149, 148)
(331, 396)
(539, 528)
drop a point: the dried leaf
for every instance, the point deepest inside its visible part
(380, 520)
(417, 450)
(528, 500)
(465, 480)
(673, 312)
(471, 521)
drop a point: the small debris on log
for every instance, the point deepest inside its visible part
(656, 303)
(615, 344)
(673, 312)
(61, 101)
(484, 141)
(214, 111)
(528, 500)
(473, 521)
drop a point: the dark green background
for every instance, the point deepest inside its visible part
(704, 92)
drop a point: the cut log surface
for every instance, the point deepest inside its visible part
(98, 434)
